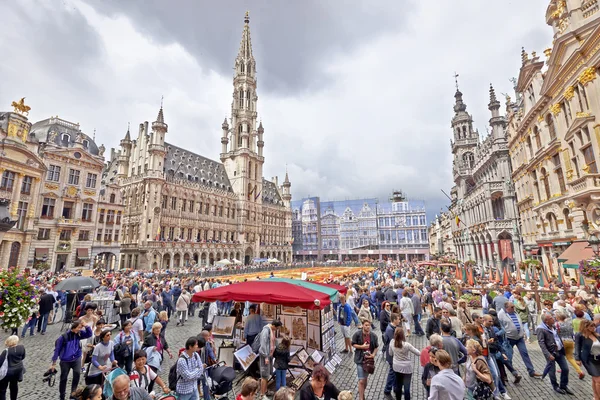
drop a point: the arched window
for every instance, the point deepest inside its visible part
(240, 136)
(536, 185)
(249, 68)
(241, 93)
(65, 138)
(464, 129)
(545, 182)
(551, 222)
(536, 136)
(530, 147)
(551, 128)
(112, 198)
(242, 67)
(86, 144)
(567, 217)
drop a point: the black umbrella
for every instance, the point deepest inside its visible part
(78, 283)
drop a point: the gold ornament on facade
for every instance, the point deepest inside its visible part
(555, 109)
(569, 93)
(586, 169)
(89, 192)
(548, 52)
(588, 75)
(71, 191)
(51, 186)
(582, 114)
(20, 107)
(540, 118)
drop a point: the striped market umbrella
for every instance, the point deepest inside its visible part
(333, 293)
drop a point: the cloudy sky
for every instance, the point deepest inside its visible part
(355, 96)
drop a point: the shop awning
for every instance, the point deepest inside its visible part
(83, 254)
(333, 293)
(267, 291)
(574, 253)
(41, 253)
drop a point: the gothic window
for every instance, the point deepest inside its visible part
(530, 147)
(242, 67)
(551, 128)
(464, 129)
(552, 222)
(241, 92)
(559, 173)
(249, 68)
(468, 160)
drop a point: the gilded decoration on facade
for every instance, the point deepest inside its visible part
(588, 75)
(89, 192)
(555, 109)
(569, 93)
(51, 186)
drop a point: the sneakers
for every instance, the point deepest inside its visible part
(517, 379)
(506, 396)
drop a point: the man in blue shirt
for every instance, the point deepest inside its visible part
(345, 320)
(253, 326)
(68, 349)
(149, 316)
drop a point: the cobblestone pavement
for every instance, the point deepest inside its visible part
(40, 348)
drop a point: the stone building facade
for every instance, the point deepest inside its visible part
(483, 197)
(359, 229)
(65, 216)
(108, 232)
(554, 135)
(21, 171)
(441, 240)
(182, 208)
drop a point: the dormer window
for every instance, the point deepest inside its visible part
(65, 138)
(86, 144)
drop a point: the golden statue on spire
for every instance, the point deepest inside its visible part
(20, 107)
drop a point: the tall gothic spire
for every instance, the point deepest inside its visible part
(245, 53)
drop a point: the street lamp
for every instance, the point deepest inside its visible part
(594, 242)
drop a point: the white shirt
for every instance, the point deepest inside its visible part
(446, 385)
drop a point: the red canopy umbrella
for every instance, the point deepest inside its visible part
(269, 292)
(339, 288)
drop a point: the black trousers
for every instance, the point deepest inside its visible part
(12, 383)
(65, 368)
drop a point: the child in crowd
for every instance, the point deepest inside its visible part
(282, 359)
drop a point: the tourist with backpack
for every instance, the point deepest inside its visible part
(189, 370)
(126, 344)
(265, 351)
(143, 377)
(67, 348)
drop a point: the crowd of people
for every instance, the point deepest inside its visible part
(468, 354)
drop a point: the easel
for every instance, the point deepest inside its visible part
(72, 303)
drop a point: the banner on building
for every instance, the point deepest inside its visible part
(505, 249)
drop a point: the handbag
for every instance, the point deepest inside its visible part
(4, 367)
(369, 365)
(482, 391)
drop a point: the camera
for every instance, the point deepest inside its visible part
(50, 377)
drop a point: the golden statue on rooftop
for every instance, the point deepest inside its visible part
(20, 107)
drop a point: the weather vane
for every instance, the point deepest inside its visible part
(456, 79)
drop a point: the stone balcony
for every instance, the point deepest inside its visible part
(583, 185)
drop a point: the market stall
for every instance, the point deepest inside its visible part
(305, 310)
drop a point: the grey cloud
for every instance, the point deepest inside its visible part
(291, 39)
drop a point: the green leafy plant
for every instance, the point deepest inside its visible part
(17, 298)
(590, 268)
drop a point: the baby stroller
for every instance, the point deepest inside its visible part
(220, 380)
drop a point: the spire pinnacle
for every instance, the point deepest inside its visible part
(456, 80)
(161, 118)
(245, 52)
(492, 94)
(247, 17)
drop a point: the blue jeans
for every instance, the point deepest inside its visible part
(280, 378)
(520, 343)
(44, 322)
(190, 396)
(390, 382)
(561, 360)
(418, 328)
(205, 390)
(31, 325)
(402, 382)
(495, 375)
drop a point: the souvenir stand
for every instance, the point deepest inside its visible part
(305, 311)
(106, 302)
